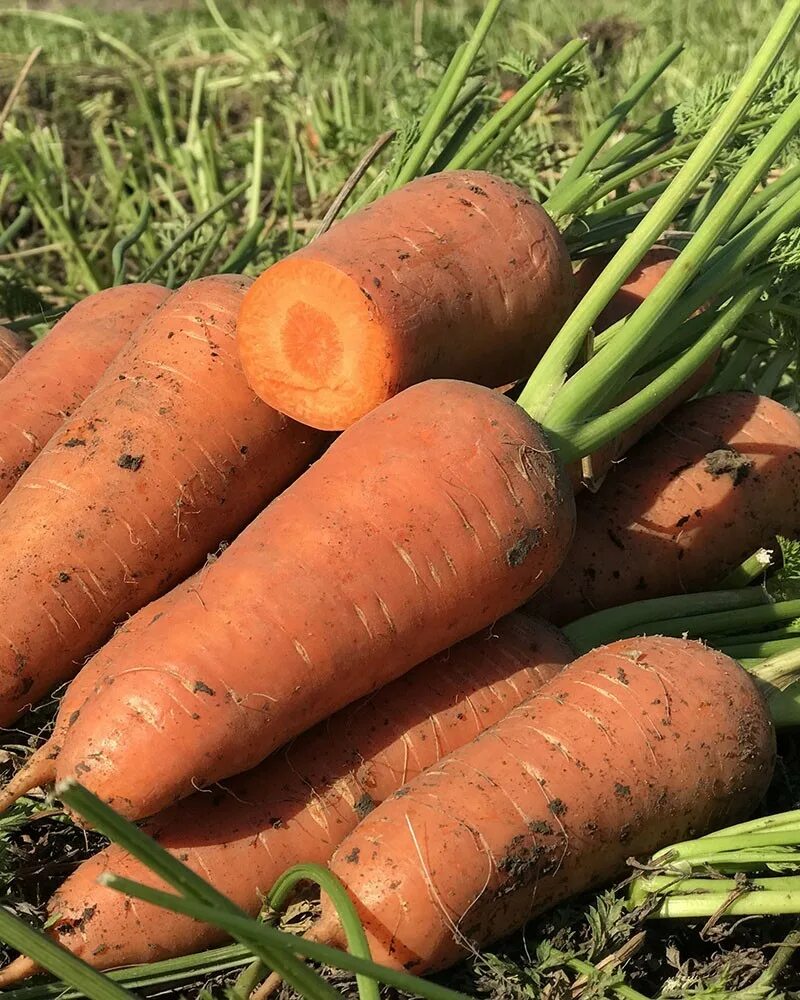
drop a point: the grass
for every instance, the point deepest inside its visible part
(215, 135)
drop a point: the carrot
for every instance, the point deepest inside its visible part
(62, 369)
(12, 347)
(632, 746)
(637, 286)
(299, 804)
(170, 455)
(381, 555)
(717, 480)
(457, 275)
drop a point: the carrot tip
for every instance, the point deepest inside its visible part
(40, 770)
(20, 968)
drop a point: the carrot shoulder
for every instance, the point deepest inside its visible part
(302, 802)
(718, 479)
(170, 455)
(629, 748)
(456, 275)
(54, 378)
(435, 515)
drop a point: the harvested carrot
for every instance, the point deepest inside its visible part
(169, 456)
(12, 347)
(302, 802)
(456, 275)
(60, 372)
(412, 531)
(717, 480)
(632, 746)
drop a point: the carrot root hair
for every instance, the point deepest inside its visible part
(40, 770)
(21, 968)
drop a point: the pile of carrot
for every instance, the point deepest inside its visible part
(344, 640)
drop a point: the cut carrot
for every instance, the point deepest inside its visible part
(456, 275)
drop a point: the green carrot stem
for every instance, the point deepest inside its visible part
(721, 621)
(574, 443)
(517, 110)
(677, 885)
(783, 632)
(759, 650)
(542, 389)
(70, 969)
(659, 127)
(435, 119)
(355, 934)
(604, 626)
(619, 990)
(583, 233)
(238, 926)
(763, 197)
(586, 391)
(746, 904)
(196, 890)
(603, 132)
(458, 139)
(618, 206)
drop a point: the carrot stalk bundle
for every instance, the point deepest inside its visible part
(170, 455)
(627, 746)
(61, 370)
(297, 806)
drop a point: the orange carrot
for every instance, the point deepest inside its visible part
(631, 747)
(169, 456)
(456, 275)
(718, 479)
(63, 368)
(302, 802)
(411, 532)
(12, 347)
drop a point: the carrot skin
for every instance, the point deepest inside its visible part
(62, 369)
(719, 479)
(435, 515)
(170, 455)
(456, 275)
(12, 348)
(300, 803)
(629, 748)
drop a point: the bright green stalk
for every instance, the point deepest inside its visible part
(598, 138)
(67, 967)
(758, 650)
(751, 569)
(542, 389)
(593, 434)
(518, 108)
(262, 934)
(722, 621)
(357, 944)
(603, 626)
(585, 392)
(619, 206)
(438, 115)
(658, 128)
(196, 890)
